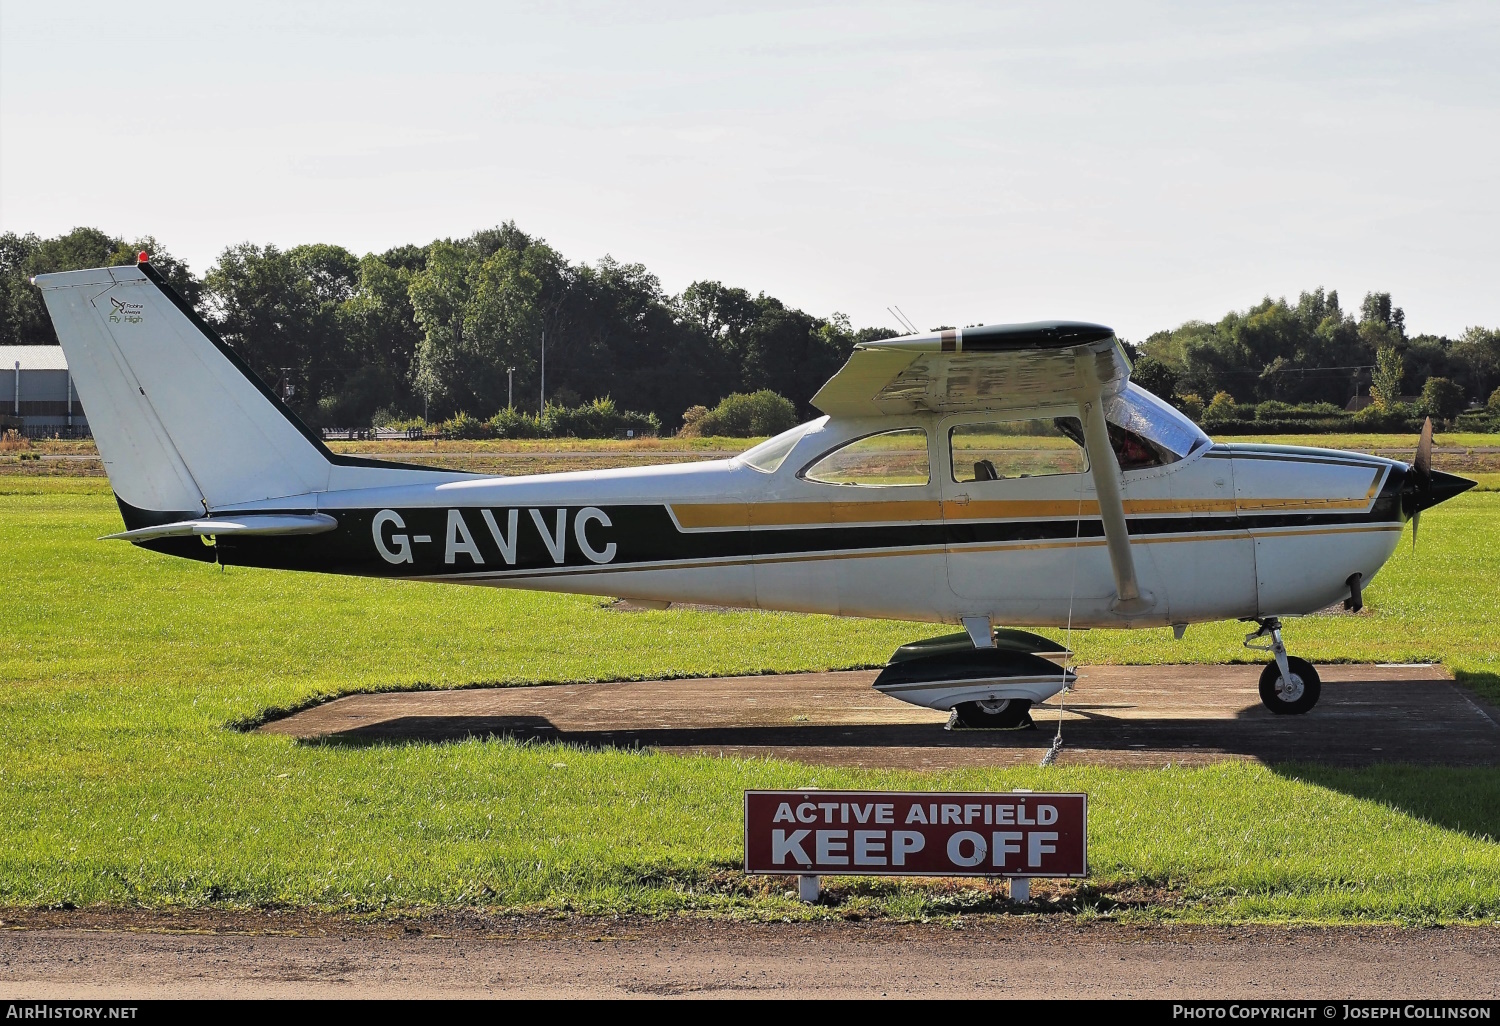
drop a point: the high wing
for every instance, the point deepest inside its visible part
(992, 367)
(1000, 367)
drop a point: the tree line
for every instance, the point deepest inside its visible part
(455, 328)
(1278, 357)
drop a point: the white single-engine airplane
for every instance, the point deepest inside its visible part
(1005, 474)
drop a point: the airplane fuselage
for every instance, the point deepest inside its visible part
(1230, 531)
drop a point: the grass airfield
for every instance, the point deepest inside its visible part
(123, 674)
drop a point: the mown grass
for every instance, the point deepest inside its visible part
(122, 783)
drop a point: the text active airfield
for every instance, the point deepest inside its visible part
(916, 833)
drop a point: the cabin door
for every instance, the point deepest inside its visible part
(1012, 493)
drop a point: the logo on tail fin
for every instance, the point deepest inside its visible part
(130, 313)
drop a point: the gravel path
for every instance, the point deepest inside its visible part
(622, 958)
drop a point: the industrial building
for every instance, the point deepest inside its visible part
(36, 393)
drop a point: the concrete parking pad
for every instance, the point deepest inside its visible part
(1116, 716)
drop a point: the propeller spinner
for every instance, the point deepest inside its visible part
(1425, 487)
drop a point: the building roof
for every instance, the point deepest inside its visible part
(1356, 404)
(32, 358)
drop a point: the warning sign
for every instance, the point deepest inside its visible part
(916, 833)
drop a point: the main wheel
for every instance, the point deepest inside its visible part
(1294, 696)
(1006, 714)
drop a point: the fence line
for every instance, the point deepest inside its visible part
(39, 432)
(379, 434)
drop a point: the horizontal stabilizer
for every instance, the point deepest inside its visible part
(270, 525)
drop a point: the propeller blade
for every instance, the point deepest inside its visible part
(1421, 465)
(1423, 486)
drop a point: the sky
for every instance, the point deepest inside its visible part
(1135, 164)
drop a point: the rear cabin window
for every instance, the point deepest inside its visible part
(1000, 450)
(891, 458)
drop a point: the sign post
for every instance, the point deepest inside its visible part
(812, 834)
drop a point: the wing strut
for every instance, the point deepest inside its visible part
(1106, 471)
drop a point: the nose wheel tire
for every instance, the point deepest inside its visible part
(1007, 714)
(1291, 696)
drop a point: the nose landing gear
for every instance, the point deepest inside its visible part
(1288, 685)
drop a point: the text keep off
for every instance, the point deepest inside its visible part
(915, 833)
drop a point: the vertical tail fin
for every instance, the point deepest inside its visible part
(181, 423)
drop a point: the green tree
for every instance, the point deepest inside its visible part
(1381, 323)
(1441, 399)
(380, 337)
(1191, 404)
(483, 312)
(281, 311)
(23, 315)
(745, 343)
(719, 317)
(441, 298)
(1476, 361)
(747, 416)
(1273, 351)
(792, 353)
(1428, 356)
(1154, 376)
(620, 334)
(1385, 383)
(1221, 407)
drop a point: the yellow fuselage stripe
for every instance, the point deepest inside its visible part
(716, 515)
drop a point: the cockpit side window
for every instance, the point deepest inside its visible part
(1146, 432)
(1132, 451)
(1001, 449)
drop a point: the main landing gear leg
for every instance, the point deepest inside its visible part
(1288, 685)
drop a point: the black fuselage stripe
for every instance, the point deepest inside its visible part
(642, 536)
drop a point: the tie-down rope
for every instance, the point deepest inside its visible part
(1057, 741)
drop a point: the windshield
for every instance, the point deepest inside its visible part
(1141, 413)
(768, 456)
